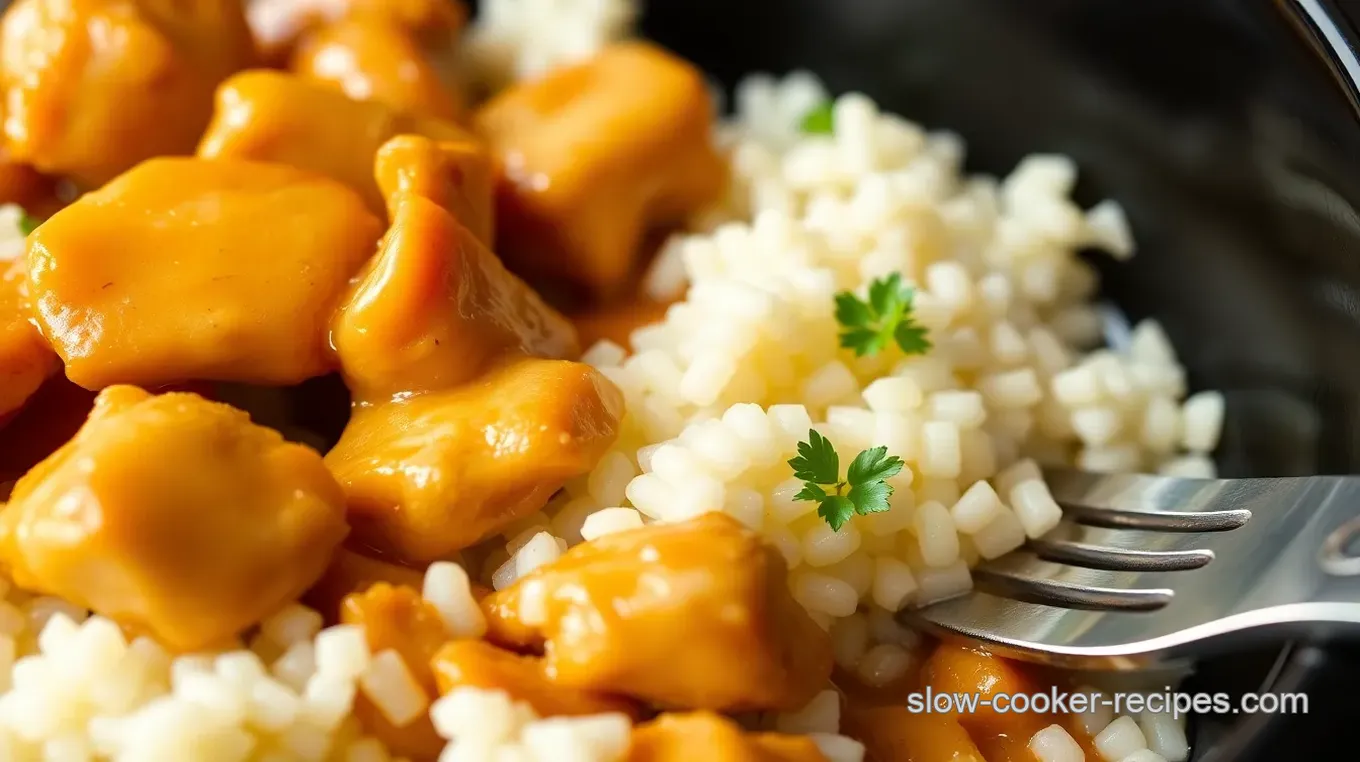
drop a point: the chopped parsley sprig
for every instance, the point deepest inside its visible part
(864, 490)
(821, 120)
(868, 326)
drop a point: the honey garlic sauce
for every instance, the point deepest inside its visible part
(879, 717)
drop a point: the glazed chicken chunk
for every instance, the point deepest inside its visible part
(958, 669)
(397, 618)
(478, 664)
(678, 737)
(592, 156)
(704, 597)
(25, 358)
(190, 269)
(456, 174)
(175, 515)
(277, 24)
(891, 733)
(436, 473)
(434, 308)
(277, 117)
(92, 87)
(375, 59)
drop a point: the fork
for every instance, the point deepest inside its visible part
(1151, 571)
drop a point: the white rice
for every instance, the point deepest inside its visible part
(75, 688)
(11, 237)
(1054, 744)
(512, 40)
(484, 725)
(1120, 739)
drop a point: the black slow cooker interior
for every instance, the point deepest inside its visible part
(1228, 130)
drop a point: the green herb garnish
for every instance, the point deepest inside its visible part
(28, 223)
(819, 121)
(869, 326)
(818, 466)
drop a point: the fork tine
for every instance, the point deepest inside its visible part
(1158, 521)
(1017, 629)
(1138, 501)
(1118, 559)
(1066, 594)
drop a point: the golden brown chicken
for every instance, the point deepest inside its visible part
(272, 116)
(456, 174)
(478, 664)
(192, 269)
(704, 597)
(174, 514)
(25, 358)
(92, 87)
(435, 308)
(350, 572)
(714, 738)
(278, 24)
(433, 474)
(591, 156)
(396, 617)
(894, 734)
(377, 59)
(1000, 736)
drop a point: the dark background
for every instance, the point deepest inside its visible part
(1228, 130)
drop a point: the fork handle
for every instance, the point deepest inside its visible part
(1306, 556)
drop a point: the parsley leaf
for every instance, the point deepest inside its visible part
(819, 121)
(818, 466)
(911, 338)
(836, 509)
(868, 326)
(886, 292)
(870, 497)
(817, 461)
(874, 464)
(28, 223)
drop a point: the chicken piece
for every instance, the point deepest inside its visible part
(591, 156)
(434, 308)
(713, 738)
(174, 514)
(894, 734)
(92, 87)
(272, 116)
(478, 664)
(1001, 736)
(399, 619)
(454, 174)
(430, 475)
(351, 572)
(704, 597)
(370, 59)
(25, 358)
(278, 24)
(192, 269)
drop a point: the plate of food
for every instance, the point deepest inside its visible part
(393, 380)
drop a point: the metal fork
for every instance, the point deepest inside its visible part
(1157, 571)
